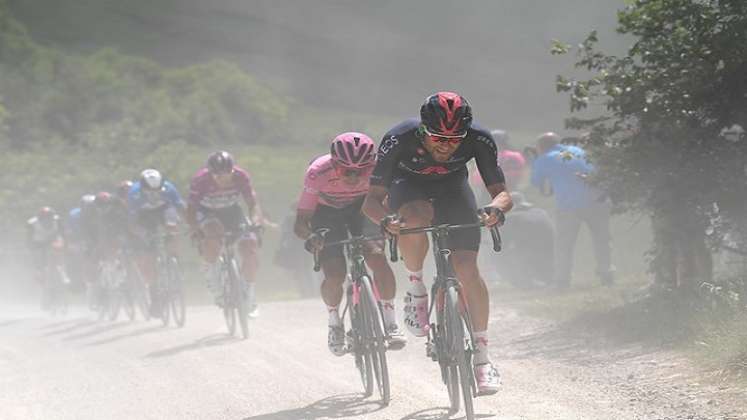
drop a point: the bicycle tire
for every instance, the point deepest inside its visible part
(229, 314)
(175, 293)
(457, 345)
(449, 372)
(162, 291)
(140, 292)
(241, 299)
(362, 353)
(377, 337)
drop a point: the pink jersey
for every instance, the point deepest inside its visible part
(323, 186)
(204, 192)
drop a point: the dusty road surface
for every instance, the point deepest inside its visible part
(76, 368)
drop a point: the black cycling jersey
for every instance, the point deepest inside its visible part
(401, 154)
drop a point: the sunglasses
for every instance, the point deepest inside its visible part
(440, 138)
(348, 172)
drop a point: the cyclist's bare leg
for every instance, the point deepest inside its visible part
(146, 264)
(334, 275)
(382, 272)
(211, 244)
(475, 290)
(414, 248)
(384, 278)
(249, 262)
(476, 293)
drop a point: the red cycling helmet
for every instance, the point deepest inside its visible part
(46, 214)
(446, 114)
(353, 150)
(103, 199)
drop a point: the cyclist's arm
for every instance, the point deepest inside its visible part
(373, 205)
(501, 198)
(302, 225)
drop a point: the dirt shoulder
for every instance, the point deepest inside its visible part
(596, 352)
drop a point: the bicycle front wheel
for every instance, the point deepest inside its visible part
(359, 328)
(457, 342)
(175, 293)
(376, 338)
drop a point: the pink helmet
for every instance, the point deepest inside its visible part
(353, 150)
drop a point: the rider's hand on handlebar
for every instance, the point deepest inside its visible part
(314, 243)
(491, 216)
(392, 224)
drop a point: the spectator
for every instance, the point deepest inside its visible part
(528, 245)
(565, 169)
(512, 163)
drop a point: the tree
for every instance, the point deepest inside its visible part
(663, 134)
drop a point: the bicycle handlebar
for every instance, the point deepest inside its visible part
(353, 240)
(494, 234)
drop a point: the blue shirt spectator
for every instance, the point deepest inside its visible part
(565, 168)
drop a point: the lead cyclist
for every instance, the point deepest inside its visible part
(420, 178)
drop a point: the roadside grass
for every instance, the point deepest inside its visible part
(712, 333)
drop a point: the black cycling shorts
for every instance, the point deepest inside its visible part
(340, 222)
(453, 203)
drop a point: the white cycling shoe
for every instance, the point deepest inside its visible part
(488, 379)
(336, 340)
(416, 314)
(396, 338)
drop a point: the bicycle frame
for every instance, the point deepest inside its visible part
(367, 332)
(455, 362)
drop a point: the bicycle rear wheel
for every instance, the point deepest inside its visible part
(175, 293)
(457, 343)
(376, 338)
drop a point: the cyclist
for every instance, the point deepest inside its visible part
(153, 202)
(334, 187)
(213, 208)
(45, 239)
(123, 190)
(423, 160)
(76, 244)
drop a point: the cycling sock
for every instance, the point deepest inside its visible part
(481, 347)
(417, 288)
(387, 308)
(334, 315)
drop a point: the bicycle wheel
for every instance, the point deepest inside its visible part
(140, 292)
(376, 338)
(359, 333)
(241, 299)
(457, 344)
(229, 312)
(175, 293)
(161, 285)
